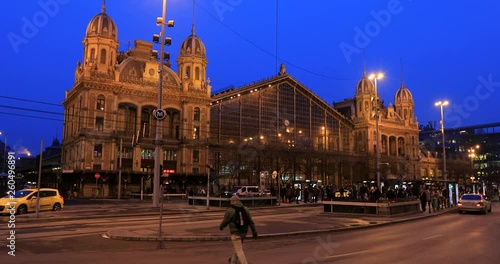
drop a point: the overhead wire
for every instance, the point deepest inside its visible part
(268, 52)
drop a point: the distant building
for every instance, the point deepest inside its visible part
(27, 167)
(478, 144)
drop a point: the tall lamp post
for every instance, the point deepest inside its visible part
(442, 104)
(472, 155)
(4, 160)
(159, 113)
(376, 77)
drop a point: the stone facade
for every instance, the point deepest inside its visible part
(110, 108)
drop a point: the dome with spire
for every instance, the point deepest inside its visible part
(403, 95)
(193, 46)
(103, 26)
(365, 86)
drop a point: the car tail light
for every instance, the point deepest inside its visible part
(480, 204)
(62, 198)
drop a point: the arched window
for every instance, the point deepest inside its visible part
(100, 102)
(366, 106)
(92, 55)
(145, 119)
(188, 71)
(196, 115)
(197, 73)
(103, 56)
(111, 58)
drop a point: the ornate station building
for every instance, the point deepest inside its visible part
(109, 111)
(242, 135)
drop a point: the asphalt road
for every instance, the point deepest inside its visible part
(449, 238)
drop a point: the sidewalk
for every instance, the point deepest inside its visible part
(269, 228)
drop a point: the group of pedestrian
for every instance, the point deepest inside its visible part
(434, 198)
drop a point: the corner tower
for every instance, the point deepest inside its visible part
(100, 44)
(192, 63)
(403, 103)
(365, 95)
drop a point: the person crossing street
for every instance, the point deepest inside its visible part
(238, 218)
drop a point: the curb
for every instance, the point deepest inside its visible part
(109, 234)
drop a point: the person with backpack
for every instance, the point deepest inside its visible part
(239, 219)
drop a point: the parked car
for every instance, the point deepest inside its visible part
(24, 201)
(474, 203)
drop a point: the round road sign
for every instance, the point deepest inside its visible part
(160, 114)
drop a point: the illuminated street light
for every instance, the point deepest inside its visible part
(376, 77)
(472, 156)
(442, 104)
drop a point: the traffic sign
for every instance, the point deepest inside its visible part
(97, 175)
(160, 114)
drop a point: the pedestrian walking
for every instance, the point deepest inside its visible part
(423, 199)
(239, 220)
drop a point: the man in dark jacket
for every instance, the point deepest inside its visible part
(238, 229)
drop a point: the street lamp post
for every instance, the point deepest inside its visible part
(159, 113)
(376, 77)
(275, 175)
(442, 104)
(472, 155)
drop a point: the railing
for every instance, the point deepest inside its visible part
(225, 202)
(165, 195)
(381, 207)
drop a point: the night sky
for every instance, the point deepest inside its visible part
(449, 51)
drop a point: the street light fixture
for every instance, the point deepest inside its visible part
(472, 155)
(443, 104)
(159, 113)
(376, 77)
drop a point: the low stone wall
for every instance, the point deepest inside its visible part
(225, 202)
(382, 207)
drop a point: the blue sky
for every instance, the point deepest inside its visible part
(449, 51)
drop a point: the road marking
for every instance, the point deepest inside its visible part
(105, 236)
(348, 254)
(427, 238)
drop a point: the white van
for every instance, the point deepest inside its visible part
(246, 190)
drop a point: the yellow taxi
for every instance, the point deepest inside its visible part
(24, 201)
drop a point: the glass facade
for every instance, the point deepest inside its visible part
(280, 126)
